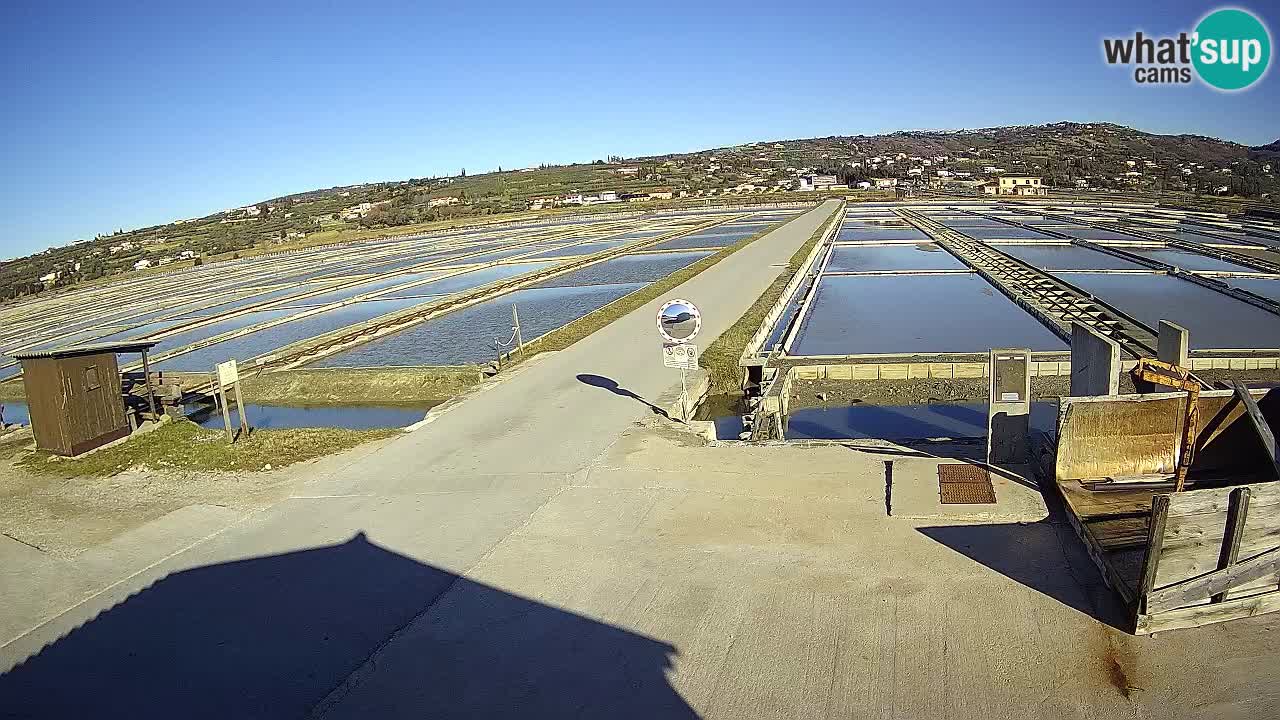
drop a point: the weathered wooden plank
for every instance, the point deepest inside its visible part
(1197, 615)
(1114, 482)
(1197, 526)
(1120, 533)
(1124, 436)
(1265, 437)
(1236, 516)
(1155, 538)
(1217, 500)
(1087, 504)
(1197, 588)
(1184, 563)
(1140, 434)
(1126, 566)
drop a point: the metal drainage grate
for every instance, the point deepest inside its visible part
(965, 485)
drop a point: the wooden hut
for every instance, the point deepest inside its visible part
(74, 395)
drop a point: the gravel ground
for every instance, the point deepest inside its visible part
(66, 516)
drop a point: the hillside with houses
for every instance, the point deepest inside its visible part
(1022, 160)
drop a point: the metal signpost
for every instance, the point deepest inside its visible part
(229, 375)
(1009, 406)
(679, 322)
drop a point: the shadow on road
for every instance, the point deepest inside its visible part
(612, 386)
(270, 637)
(1044, 556)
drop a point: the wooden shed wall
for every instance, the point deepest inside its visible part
(76, 403)
(46, 399)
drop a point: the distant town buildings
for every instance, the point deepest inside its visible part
(806, 183)
(600, 198)
(1015, 185)
(356, 211)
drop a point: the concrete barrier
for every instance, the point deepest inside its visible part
(1095, 362)
(762, 333)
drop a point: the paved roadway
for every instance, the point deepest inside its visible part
(300, 595)
(548, 423)
(548, 550)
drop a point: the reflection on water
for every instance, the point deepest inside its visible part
(355, 417)
(881, 258)
(904, 422)
(848, 316)
(640, 268)
(467, 335)
(15, 412)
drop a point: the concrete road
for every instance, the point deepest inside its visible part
(549, 548)
(561, 412)
(445, 494)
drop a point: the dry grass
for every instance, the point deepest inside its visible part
(185, 446)
(13, 390)
(64, 507)
(361, 386)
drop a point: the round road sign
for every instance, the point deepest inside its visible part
(679, 321)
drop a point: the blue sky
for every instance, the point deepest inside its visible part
(121, 115)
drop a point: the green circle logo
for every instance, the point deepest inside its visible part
(1232, 49)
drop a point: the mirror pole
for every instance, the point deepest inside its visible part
(684, 399)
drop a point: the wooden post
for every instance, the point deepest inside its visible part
(1237, 513)
(1155, 543)
(151, 393)
(515, 317)
(1259, 423)
(226, 415)
(244, 421)
(684, 399)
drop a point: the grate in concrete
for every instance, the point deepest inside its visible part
(965, 485)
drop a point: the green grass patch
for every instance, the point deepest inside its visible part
(11, 446)
(720, 358)
(184, 445)
(13, 390)
(360, 386)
